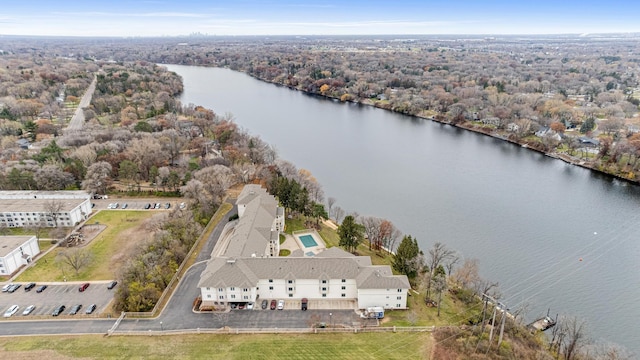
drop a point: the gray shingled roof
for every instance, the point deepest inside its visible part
(381, 277)
(222, 272)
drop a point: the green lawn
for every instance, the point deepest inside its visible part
(255, 347)
(103, 248)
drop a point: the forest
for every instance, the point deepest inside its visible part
(574, 98)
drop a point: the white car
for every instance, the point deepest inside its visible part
(6, 287)
(29, 310)
(12, 310)
(280, 304)
(250, 306)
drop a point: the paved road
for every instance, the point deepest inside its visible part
(77, 121)
(178, 313)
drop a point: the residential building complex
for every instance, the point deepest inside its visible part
(16, 251)
(248, 268)
(43, 208)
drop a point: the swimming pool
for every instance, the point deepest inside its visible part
(307, 240)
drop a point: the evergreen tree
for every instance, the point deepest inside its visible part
(408, 258)
(351, 233)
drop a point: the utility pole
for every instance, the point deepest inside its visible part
(504, 316)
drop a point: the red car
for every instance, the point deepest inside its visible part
(83, 287)
(273, 304)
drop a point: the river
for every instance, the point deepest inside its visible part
(553, 235)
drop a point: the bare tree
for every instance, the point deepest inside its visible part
(571, 337)
(372, 229)
(439, 285)
(451, 262)
(436, 256)
(330, 202)
(98, 177)
(76, 258)
(338, 214)
(53, 208)
(467, 274)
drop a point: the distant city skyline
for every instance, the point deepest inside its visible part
(330, 17)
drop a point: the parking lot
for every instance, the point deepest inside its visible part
(58, 294)
(136, 203)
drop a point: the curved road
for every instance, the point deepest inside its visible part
(178, 314)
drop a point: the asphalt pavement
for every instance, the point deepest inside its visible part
(178, 313)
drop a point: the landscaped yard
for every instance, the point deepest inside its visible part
(278, 346)
(124, 229)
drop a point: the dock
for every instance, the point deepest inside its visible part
(542, 324)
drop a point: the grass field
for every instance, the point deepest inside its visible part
(103, 249)
(277, 346)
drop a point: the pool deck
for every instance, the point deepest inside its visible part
(292, 243)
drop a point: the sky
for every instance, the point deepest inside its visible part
(126, 18)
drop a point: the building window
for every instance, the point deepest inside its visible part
(398, 305)
(344, 280)
(343, 295)
(399, 297)
(324, 289)
(232, 289)
(324, 281)
(208, 288)
(245, 290)
(290, 289)
(220, 289)
(324, 295)
(270, 287)
(233, 296)
(344, 288)
(246, 297)
(270, 280)
(399, 290)
(290, 295)
(290, 281)
(208, 296)
(221, 297)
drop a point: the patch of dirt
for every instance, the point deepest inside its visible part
(90, 231)
(136, 236)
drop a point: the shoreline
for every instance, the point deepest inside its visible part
(563, 157)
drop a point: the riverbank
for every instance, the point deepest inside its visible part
(470, 126)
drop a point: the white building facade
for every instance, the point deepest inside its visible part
(43, 208)
(16, 251)
(249, 269)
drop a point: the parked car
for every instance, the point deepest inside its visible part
(41, 288)
(115, 205)
(273, 304)
(233, 306)
(264, 304)
(29, 286)
(75, 309)
(11, 310)
(112, 285)
(241, 306)
(182, 205)
(167, 205)
(58, 310)
(14, 287)
(110, 206)
(305, 302)
(90, 309)
(250, 306)
(280, 304)
(83, 287)
(29, 310)
(148, 206)
(125, 205)
(157, 206)
(6, 287)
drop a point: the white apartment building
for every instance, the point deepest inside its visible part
(250, 269)
(43, 208)
(16, 251)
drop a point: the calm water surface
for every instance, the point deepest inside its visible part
(527, 218)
